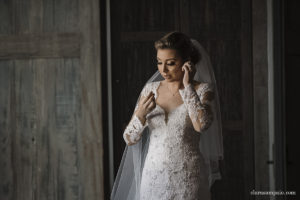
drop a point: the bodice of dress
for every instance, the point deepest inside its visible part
(158, 118)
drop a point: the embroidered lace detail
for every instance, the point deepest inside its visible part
(194, 101)
(204, 88)
(133, 131)
(174, 167)
(148, 88)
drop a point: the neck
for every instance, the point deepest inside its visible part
(174, 85)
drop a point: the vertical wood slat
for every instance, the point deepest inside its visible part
(35, 16)
(184, 16)
(17, 129)
(247, 98)
(5, 137)
(91, 156)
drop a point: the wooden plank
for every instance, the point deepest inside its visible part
(18, 163)
(184, 16)
(5, 23)
(232, 125)
(7, 130)
(46, 45)
(61, 140)
(141, 36)
(35, 16)
(91, 133)
(61, 16)
(152, 15)
(247, 98)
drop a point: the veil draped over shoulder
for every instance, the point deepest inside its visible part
(128, 179)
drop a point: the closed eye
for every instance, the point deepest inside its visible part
(170, 64)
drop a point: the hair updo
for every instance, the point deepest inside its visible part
(181, 43)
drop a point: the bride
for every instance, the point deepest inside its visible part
(174, 138)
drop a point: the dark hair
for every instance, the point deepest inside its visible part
(181, 43)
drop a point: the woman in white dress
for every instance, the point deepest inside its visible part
(169, 162)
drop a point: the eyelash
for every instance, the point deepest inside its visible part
(170, 64)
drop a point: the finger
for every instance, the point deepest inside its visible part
(185, 68)
(189, 67)
(147, 97)
(151, 105)
(184, 64)
(148, 101)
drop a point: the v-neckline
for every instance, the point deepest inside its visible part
(166, 114)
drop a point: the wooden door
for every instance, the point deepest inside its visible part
(50, 102)
(224, 29)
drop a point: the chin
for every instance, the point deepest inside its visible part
(169, 79)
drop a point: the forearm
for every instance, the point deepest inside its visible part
(200, 114)
(134, 129)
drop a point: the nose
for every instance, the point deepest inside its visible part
(164, 68)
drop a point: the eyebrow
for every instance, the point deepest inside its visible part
(167, 59)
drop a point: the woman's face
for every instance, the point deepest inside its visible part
(169, 64)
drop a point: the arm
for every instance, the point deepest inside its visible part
(138, 122)
(134, 129)
(198, 106)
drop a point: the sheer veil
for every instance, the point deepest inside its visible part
(128, 179)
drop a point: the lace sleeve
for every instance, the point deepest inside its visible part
(134, 129)
(198, 104)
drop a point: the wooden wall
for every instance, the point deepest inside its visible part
(50, 102)
(224, 29)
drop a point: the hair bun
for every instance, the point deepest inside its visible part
(181, 43)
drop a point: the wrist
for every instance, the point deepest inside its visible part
(187, 85)
(140, 116)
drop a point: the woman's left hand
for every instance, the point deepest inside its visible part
(189, 73)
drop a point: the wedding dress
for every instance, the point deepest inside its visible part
(174, 167)
(166, 159)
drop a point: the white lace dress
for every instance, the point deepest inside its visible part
(174, 167)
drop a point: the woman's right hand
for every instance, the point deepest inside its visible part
(146, 105)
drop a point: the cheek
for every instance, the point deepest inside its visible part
(160, 68)
(176, 70)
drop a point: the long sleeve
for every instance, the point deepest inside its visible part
(197, 105)
(134, 129)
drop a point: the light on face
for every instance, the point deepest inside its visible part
(166, 57)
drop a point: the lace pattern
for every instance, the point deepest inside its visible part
(174, 167)
(204, 88)
(198, 108)
(133, 131)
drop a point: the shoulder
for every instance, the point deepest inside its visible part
(206, 92)
(196, 84)
(202, 86)
(151, 85)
